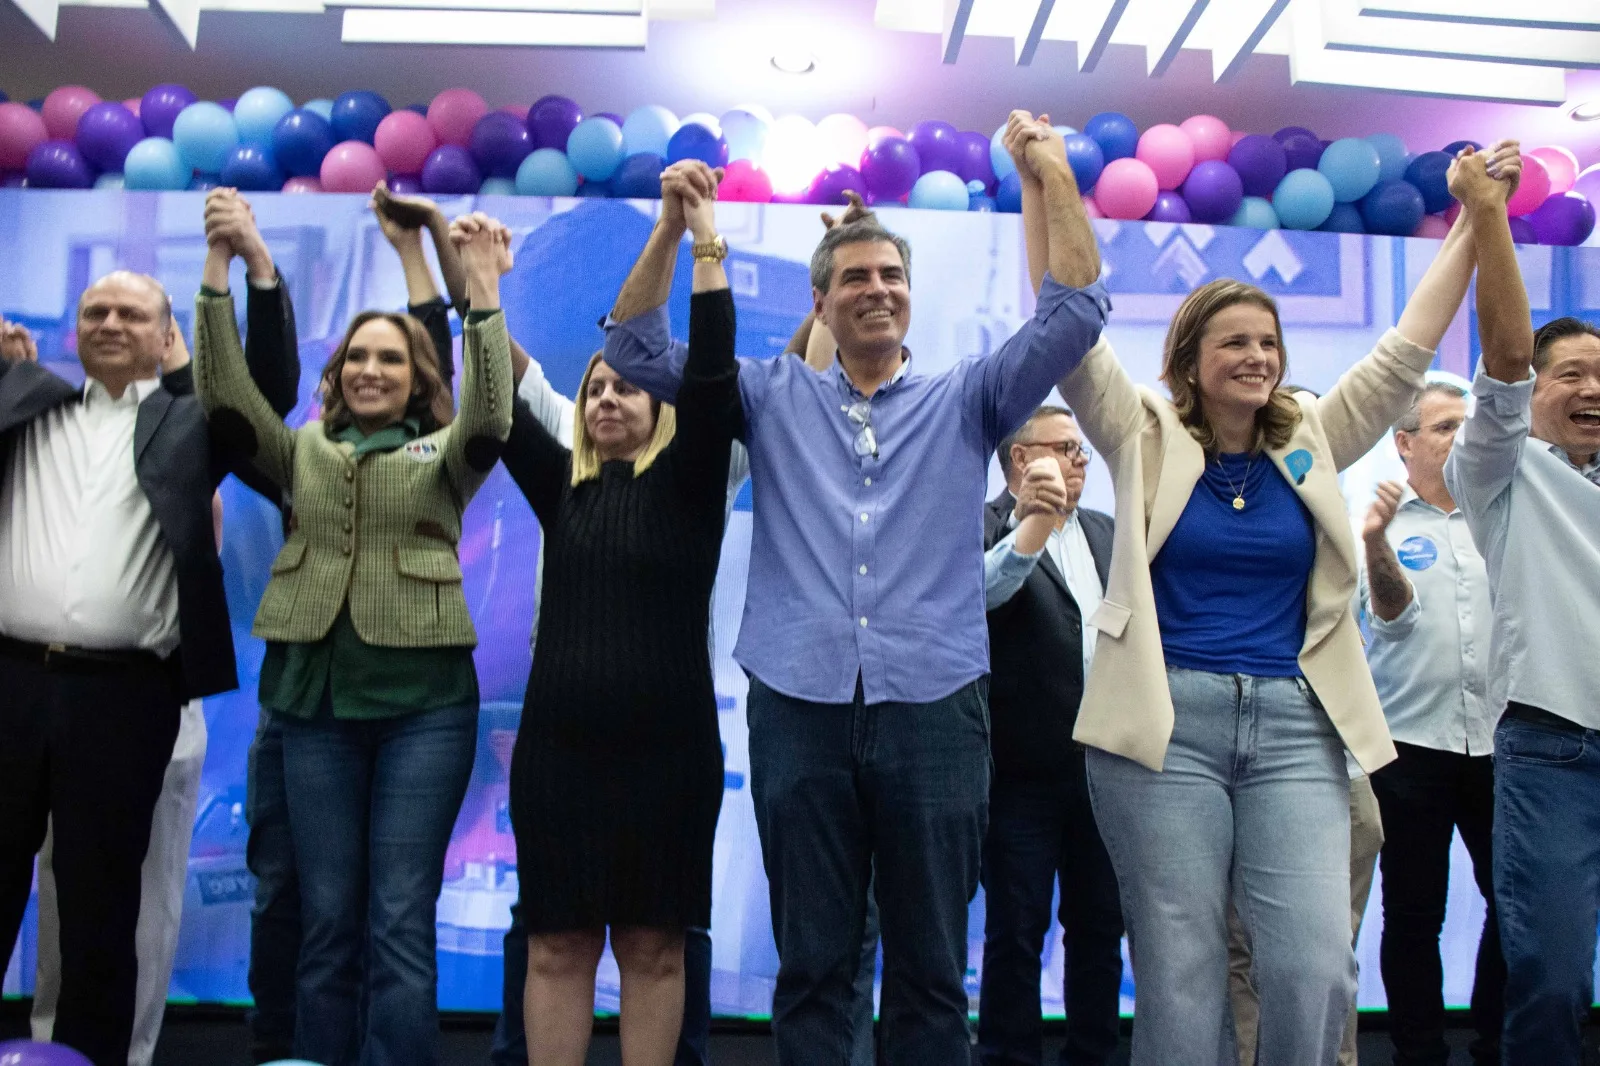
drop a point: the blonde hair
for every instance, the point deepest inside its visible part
(586, 461)
(1277, 418)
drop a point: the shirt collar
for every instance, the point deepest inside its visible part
(1587, 469)
(850, 386)
(96, 394)
(386, 439)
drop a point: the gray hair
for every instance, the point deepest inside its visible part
(1411, 421)
(864, 230)
(1024, 433)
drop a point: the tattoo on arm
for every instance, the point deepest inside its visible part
(1386, 582)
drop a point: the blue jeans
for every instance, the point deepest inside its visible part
(1253, 801)
(846, 792)
(275, 915)
(1546, 884)
(371, 808)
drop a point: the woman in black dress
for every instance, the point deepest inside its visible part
(616, 779)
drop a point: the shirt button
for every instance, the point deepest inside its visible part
(863, 516)
(347, 549)
(348, 502)
(347, 527)
(349, 475)
(863, 621)
(868, 481)
(863, 568)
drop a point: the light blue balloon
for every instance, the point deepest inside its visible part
(1255, 213)
(976, 187)
(999, 158)
(206, 136)
(1352, 165)
(322, 106)
(648, 129)
(257, 114)
(940, 190)
(1065, 131)
(595, 148)
(109, 181)
(746, 135)
(1303, 199)
(154, 163)
(547, 172)
(1392, 156)
(497, 187)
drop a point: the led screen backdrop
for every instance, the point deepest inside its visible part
(1338, 294)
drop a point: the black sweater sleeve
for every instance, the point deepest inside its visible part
(709, 408)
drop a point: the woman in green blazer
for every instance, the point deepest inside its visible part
(369, 643)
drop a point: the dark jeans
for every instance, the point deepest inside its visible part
(275, 916)
(1547, 883)
(1037, 831)
(846, 792)
(371, 808)
(85, 752)
(1425, 796)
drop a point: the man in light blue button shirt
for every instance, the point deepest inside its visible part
(1523, 472)
(1425, 594)
(864, 630)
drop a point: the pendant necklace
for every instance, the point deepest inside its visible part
(1238, 492)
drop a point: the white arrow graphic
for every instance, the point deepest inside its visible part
(1199, 234)
(1184, 261)
(1272, 252)
(1157, 233)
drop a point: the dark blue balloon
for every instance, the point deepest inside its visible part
(1346, 218)
(638, 177)
(300, 140)
(3, 97)
(356, 115)
(595, 189)
(500, 142)
(1290, 131)
(694, 141)
(1429, 172)
(1455, 146)
(421, 109)
(1392, 208)
(1086, 159)
(37, 103)
(252, 168)
(979, 202)
(1301, 150)
(204, 182)
(1008, 197)
(1115, 133)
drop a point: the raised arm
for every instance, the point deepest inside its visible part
(1389, 592)
(1505, 329)
(1041, 498)
(475, 440)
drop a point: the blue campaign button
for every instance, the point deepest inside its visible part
(1417, 553)
(1298, 463)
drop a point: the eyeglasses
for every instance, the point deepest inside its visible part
(860, 414)
(1070, 450)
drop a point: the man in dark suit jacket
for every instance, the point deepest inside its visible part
(112, 614)
(1045, 568)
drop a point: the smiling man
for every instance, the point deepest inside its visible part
(863, 632)
(1524, 471)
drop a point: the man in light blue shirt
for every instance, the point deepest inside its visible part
(1523, 471)
(864, 630)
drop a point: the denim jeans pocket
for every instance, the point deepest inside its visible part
(1524, 742)
(1309, 693)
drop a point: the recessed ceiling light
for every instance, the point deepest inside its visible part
(1585, 111)
(794, 59)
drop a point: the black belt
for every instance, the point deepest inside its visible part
(66, 657)
(1534, 716)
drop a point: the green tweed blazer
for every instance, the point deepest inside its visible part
(380, 531)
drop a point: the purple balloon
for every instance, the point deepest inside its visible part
(451, 171)
(974, 163)
(1260, 162)
(27, 1053)
(1292, 131)
(227, 105)
(160, 106)
(13, 181)
(1302, 150)
(1565, 219)
(830, 186)
(58, 165)
(1213, 191)
(1170, 207)
(1522, 231)
(106, 133)
(405, 184)
(890, 167)
(694, 141)
(612, 115)
(499, 143)
(551, 120)
(938, 145)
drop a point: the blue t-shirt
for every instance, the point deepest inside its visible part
(1230, 584)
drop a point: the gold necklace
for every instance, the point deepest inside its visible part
(1238, 493)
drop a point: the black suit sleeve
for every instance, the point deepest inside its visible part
(271, 347)
(435, 318)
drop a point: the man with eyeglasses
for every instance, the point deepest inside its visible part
(863, 632)
(1045, 570)
(1425, 593)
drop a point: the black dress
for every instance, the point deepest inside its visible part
(616, 778)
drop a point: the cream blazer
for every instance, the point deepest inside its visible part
(1155, 464)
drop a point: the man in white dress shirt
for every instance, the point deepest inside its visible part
(1426, 595)
(1524, 471)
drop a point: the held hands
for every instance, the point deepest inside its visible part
(401, 217)
(1043, 492)
(485, 246)
(1383, 509)
(1035, 147)
(16, 343)
(1486, 178)
(855, 212)
(701, 215)
(231, 227)
(683, 186)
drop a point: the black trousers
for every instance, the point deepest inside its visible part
(1040, 829)
(84, 750)
(1425, 796)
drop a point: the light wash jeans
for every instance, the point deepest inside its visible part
(1252, 802)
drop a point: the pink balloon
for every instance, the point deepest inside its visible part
(353, 166)
(453, 113)
(1532, 190)
(1562, 165)
(1236, 136)
(302, 185)
(1431, 226)
(134, 104)
(21, 131)
(404, 140)
(1091, 208)
(1169, 154)
(744, 182)
(1209, 135)
(63, 107)
(520, 111)
(1127, 188)
(878, 133)
(842, 138)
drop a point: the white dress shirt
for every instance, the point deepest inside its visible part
(1005, 569)
(82, 560)
(1535, 519)
(1431, 662)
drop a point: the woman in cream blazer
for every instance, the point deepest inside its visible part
(1228, 677)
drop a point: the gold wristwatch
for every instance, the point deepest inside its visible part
(713, 251)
